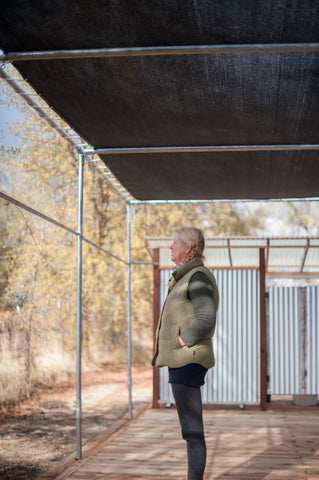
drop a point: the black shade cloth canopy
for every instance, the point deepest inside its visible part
(264, 97)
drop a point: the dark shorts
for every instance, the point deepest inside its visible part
(192, 374)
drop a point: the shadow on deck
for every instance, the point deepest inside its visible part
(241, 444)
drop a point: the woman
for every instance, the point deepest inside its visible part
(184, 339)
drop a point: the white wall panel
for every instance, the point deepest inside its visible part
(284, 340)
(294, 340)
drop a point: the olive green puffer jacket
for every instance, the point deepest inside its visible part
(177, 316)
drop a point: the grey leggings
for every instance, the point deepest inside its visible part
(188, 402)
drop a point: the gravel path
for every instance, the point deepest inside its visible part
(37, 434)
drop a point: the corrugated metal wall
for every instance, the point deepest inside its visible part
(235, 378)
(284, 340)
(294, 340)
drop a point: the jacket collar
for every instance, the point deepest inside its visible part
(195, 262)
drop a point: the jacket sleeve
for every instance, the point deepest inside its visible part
(201, 294)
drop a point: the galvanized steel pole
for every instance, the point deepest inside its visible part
(79, 313)
(263, 330)
(129, 339)
(158, 50)
(202, 149)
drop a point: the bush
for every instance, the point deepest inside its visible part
(13, 387)
(51, 366)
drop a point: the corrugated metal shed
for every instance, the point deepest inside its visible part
(244, 334)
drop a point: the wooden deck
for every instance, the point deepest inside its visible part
(245, 445)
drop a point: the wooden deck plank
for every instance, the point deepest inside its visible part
(242, 445)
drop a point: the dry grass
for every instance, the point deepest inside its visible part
(13, 386)
(53, 365)
(50, 366)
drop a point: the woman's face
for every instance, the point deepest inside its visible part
(179, 250)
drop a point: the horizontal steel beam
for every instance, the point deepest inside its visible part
(73, 138)
(204, 148)
(276, 274)
(153, 51)
(226, 200)
(29, 209)
(41, 110)
(19, 204)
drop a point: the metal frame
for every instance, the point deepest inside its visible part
(128, 262)
(169, 50)
(86, 153)
(22, 88)
(155, 51)
(80, 146)
(129, 329)
(204, 148)
(263, 330)
(79, 313)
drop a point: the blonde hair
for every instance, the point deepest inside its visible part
(192, 237)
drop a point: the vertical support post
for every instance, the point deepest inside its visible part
(79, 313)
(156, 310)
(302, 292)
(263, 330)
(129, 338)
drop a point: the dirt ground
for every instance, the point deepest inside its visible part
(37, 434)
